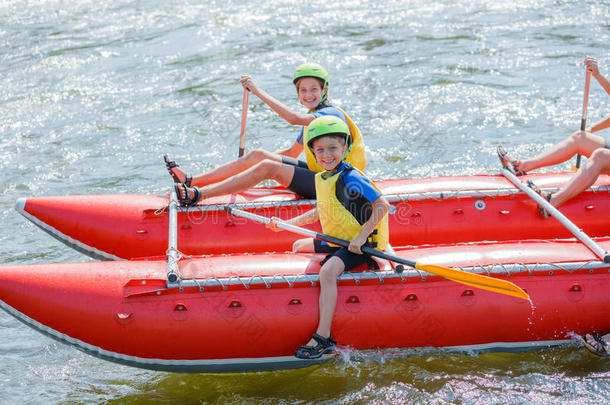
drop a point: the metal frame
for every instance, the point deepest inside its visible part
(389, 275)
(173, 274)
(392, 198)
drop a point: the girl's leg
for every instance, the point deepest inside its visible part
(599, 162)
(580, 142)
(267, 169)
(329, 273)
(229, 169)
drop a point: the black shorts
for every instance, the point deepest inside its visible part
(304, 180)
(349, 259)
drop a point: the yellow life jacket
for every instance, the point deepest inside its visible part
(337, 220)
(356, 155)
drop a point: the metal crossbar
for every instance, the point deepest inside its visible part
(392, 198)
(173, 274)
(381, 276)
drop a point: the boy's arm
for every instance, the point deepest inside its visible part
(309, 217)
(380, 208)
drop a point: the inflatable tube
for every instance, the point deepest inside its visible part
(250, 312)
(425, 211)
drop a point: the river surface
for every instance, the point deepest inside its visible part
(93, 93)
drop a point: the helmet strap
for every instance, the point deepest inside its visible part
(324, 95)
(347, 151)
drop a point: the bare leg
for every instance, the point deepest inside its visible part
(229, 169)
(580, 142)
(303, 245)
(599, 162)
(267, 169)
(329, 273)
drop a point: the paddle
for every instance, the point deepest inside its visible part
(242, 135)
(459, 276)
(583, 120)
(583, 237)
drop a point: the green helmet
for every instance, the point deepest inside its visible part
(327, 125)
(311, 70)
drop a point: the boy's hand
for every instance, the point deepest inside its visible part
(273, 224)
(249, 83)
(354, 245)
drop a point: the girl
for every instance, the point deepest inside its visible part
(311, 81)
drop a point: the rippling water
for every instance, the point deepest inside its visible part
(93, 93)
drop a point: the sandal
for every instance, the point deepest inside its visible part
(324, 346)
(182, 193)
(599, 348)
(170, 164)
(510, 164)
(543, 212)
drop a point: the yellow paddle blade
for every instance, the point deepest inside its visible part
(475, 280)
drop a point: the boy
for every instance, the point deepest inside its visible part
(349, 207)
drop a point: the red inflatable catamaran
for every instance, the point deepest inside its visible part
(234, 312)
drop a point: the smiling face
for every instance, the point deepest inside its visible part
(309, 91)
(329, 151)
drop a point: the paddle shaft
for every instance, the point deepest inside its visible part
(244, 114)
(583, 121)
(397, 268)
(459, 276)
(316, 235)
(583, 237)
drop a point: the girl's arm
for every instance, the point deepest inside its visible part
(591, 64)
(603, 124)
(380, 208)
(294, 151)
(309, 217)
(293, 118)
(604, 82)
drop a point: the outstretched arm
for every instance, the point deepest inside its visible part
(294, 151)
(603, 124)
(591, 64)
(292, 117)
(307, 218)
